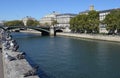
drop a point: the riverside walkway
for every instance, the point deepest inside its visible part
(14, 68)
(113, 38)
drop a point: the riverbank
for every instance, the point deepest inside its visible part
(113, 38)
(15, 64)
(15, 68)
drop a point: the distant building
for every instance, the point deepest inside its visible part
(48, 19)
(91, 7)
(25, 19)
(2, 23)
(86, 11)
(64, 19)
(102, 15)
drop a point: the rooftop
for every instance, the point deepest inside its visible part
(67, 14)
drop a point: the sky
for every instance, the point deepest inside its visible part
(18, 9)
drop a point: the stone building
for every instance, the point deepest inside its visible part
(63, 21)
(86, 11)
(25, 19)
(2, 23)
(102, 15)
(48, 19)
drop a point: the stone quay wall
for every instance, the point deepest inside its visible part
(93, 36)
(14, 68)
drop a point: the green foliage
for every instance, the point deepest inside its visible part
(32, 23)
(46, 24)
(93, 22)
(112, 21)
(84, 22)
(73, 24)
(14, 23)
(54, 22)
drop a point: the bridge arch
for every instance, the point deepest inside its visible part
(4, 28)
(58, 30)
(43, 30)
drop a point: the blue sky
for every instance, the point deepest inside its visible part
(17, 9)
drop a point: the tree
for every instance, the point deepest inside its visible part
(14, 23)
(85, 22)
(112, 21)
(46, 24)
(32, 23)
(117, 16)
(54, 22)
(93, 22)
(73, 24)
(82, 25)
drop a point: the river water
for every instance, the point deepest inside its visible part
(65, 57)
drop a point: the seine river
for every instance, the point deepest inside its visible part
(65, 57)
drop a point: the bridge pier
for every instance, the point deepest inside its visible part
(52, 31)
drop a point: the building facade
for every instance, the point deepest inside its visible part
(62, 20)
(25, 19)
(102, 15)
(2, 23)
(48, 19)
(91, 8)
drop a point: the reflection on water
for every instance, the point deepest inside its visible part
(64, 57)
